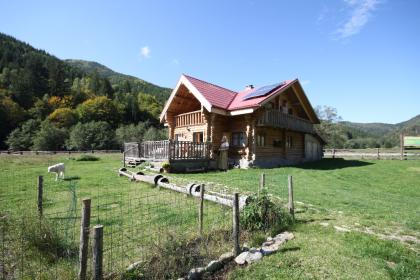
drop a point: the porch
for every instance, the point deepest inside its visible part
(166, 150)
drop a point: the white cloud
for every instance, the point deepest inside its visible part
(360, 13)
(145, 52)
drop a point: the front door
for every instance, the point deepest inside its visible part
(198, 137)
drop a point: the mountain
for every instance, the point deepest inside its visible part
(118, 79)
(360, 135)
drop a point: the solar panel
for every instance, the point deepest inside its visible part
(261, 91)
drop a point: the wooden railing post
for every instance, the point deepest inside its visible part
(98, 235)
(84, 238)
(236, 229)
(40, 194)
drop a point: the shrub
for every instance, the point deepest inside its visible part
(263, 213)
(49, 137)
(87, 158)
(166, 165)
(92, 135)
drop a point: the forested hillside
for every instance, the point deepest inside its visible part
(47, 103)
(344, 134)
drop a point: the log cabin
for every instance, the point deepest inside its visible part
(266, 126)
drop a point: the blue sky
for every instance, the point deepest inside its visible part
(359, 56)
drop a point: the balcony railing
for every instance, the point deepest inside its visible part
(276, 118)
(190, 118)
(167, 150)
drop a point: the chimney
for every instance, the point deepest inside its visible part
(249, 87)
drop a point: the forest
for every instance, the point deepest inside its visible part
(50, 104)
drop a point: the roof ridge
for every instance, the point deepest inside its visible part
(188, 76)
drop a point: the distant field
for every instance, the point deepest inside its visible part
(377, 201)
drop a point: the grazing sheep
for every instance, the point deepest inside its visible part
(58, 169)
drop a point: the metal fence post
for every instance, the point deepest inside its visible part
(236, 230)
(98, 235)
(201, 211)
(84, 238)
(290, 205)
(40, 194)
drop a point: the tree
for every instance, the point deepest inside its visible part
(153, 134)
(11, 114)
(131, 132)
(99, 109)
(21, 139)
(63, 117)
(329, 127)
(149, 106)
(49, 137)
(91, 135)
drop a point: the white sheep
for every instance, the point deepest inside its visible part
(58, 169)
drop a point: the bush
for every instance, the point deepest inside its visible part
(87, 158)
(21, 139)
(50, 138)
(91, 136)
(166, 165)
(263, 213)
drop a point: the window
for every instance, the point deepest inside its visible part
(277, 143)
(289, 142)
(198, 137)
(238, 139)
(260, 140)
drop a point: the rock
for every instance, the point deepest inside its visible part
(195, 273)
(269, 238)
(341, 229)
(268, 243)
(226, 257)
(324, 224)
(249, 257)
(213, 266)
(241, 258)
(268, 250)
(133, 266)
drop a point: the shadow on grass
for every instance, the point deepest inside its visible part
(331, 164)
(71, 178)
(291, 249)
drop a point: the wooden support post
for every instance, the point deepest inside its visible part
(98, 235)
(290, 205)
(236, 230)
(40, 194)
(333, 153)
(402, 145)
(84, 238)
(201, 211)
(378, 154)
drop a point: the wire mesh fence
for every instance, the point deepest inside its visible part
(157, 229)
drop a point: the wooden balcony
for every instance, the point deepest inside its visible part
(190, 118)
(276, 118)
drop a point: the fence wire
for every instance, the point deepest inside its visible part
(155, 228)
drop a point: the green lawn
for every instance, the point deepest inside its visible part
(378, 201)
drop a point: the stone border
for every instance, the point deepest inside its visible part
(248, 256)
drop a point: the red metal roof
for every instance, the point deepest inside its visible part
(217, 96)
(227, 99)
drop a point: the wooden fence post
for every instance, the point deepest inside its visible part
(333, 153)
(262, 183)
(291, 206)
(40, 194)
(84, 238)
(236, 230)
(201, 211)
(378, 154)
(402, 145)
(98, 235)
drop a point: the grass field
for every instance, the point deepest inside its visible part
(375, 206)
